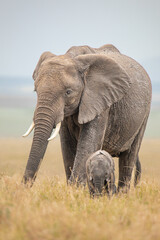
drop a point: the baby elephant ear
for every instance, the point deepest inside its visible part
(106, 82)
(43, 57)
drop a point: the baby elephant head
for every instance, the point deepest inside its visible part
(100, 173)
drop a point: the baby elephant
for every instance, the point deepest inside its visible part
(100, 173)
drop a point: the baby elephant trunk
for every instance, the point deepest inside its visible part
(99, 185)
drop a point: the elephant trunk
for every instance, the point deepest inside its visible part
(99, 184)
(44, 123)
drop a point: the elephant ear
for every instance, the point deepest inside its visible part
(43, 57)
(106, 82)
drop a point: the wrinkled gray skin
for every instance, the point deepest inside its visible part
(102, 98)
(100, 173)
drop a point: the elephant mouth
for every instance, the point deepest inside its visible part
(53, 135)
(56, 131)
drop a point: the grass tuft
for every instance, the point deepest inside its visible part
(52, 210)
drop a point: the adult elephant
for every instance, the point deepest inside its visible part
(102, 100)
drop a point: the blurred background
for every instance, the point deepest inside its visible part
(31, 27)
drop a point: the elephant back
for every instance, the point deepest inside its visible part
(79, 50)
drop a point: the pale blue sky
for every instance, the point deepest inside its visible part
(30, 27)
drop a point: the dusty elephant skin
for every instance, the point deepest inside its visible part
(102, 99)
(100, 173)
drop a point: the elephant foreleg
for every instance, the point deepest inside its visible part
(68, 145)
(91, 138)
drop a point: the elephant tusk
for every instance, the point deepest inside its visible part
(29, 130)
(55, 132)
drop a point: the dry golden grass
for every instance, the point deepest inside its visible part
(52, 210)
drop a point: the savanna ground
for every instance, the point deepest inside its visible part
(52, 210)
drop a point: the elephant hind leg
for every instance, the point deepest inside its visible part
(137, 172)
(126, 165)
(112, 184)
(127, 160)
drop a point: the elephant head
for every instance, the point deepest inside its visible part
(100, 173)
(86, 84)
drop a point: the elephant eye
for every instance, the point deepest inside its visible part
(68, 92)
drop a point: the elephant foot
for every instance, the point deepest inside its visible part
(77, 180)
(137, 172)
(114, 190)
(124, 187)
